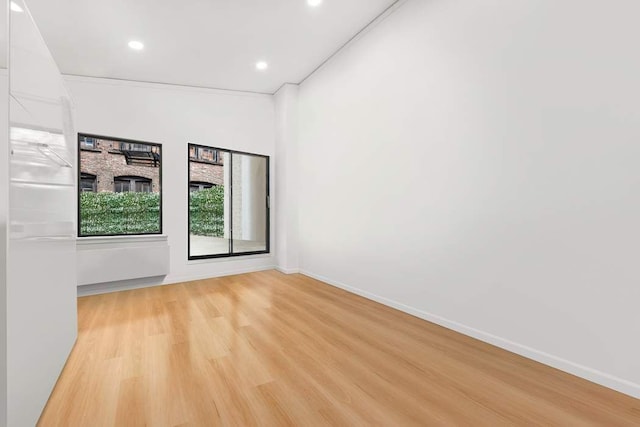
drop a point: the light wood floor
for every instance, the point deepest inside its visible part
(270, 349)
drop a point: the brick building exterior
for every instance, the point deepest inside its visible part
(106, 161)
(114, 166)
(206, 167)
(206, 172)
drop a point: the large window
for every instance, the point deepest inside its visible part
(228, 203)
(119, 187)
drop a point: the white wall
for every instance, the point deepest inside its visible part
(4, 12)
(476, 164)
(175, 116)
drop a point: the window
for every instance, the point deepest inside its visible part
(228, 203)
(204, 154)
(198, 185)
(88, 182)
(88, 143)
(123, 193)
(134, 184)
(132, 146)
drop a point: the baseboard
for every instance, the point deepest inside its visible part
(593, 375)
(123, 285)
(127, 285)
(189, 278)
(288, 270)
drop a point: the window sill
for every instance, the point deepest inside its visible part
(110, 240)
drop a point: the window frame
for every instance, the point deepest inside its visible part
(94, 143)
(202, 185)
(157, 146)
(86, 176)
(197, 150)
(230, 254)
(132, 179)
(131, 146)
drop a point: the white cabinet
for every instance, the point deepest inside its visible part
(40, 264)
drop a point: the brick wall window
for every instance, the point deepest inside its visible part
(199, 185)
(136, 184)
(131, 146)
(205, 154)
(88, 183)
(88, 143)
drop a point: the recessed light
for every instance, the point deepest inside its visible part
(261, 65)
(15, 7)
(314, 3)
(136, 45)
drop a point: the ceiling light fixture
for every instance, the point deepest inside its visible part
(136, 45)
(261, 65)
(314, 3)
(15, 7)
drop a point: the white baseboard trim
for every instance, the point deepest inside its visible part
(124, 285)
(189, 278)
(593, 375)
(127, 285)
(288, 270)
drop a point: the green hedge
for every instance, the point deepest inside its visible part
(139, 213)
(119, 213)
(207, 212)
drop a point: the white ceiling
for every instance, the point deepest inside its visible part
(208, 43)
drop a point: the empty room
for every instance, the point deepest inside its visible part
(319, 213)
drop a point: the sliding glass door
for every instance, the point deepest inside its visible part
(228, 203)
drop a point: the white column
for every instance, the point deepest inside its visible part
(286, 171)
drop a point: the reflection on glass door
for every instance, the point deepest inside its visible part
(249, 183)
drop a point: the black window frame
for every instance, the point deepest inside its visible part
(158, 147)
(230, 254)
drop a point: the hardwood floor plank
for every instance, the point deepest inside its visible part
(265, 349)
